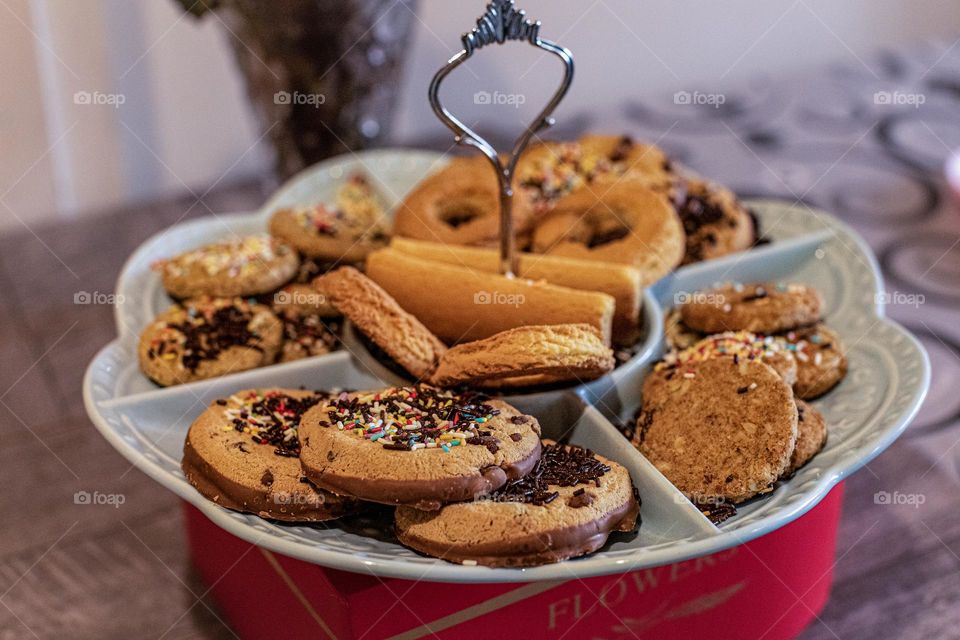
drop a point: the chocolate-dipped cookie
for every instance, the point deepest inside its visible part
(416, 446)
(566, 507)
(242, 453)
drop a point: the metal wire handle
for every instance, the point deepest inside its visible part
(502, 21)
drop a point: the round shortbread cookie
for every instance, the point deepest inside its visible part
(821, 362)
(417, 446)
(208, 337)
(243, 454)
(759, 308)
(718, 430)
(246, 266)
(567, 506)
(811, 436)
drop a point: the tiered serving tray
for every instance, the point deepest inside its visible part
(889, 376)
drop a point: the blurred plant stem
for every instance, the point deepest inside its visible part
(322, 75)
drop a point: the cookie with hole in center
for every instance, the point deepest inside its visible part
(208, 337)
(719, 429)
(243, 454)
(759, 307)
(244, 266)
(416, 446)
(566, 507)
(821, 362)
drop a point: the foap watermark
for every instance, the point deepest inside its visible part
(299, 98)
(899, 99)
(99, 98)
(896, 498)
(499, 298)
(510, 99)
(698, 98)
(114, 500)
(899, 298)
(97, 297)
(299, 297)
(698, 297)
(286, 498)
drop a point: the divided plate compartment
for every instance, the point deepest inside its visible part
(888, 378)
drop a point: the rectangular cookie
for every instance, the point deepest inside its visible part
(620, 281)
(460, 304)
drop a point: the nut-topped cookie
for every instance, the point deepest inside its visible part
(567, 506)
(208, 337)
(243, 454)
(245, 266)
(758, 307)
(718, 429)
(416, 446)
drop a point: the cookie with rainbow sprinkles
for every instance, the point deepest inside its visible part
(417, 446)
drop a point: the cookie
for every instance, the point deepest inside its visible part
(811, 436)
(208, 337)
(718, 430)
(676, 334)
(416, 446)
(311, 325)
(346, 230)
(758, 308)
(553, 353)
(624, 222)
(566, 507)
(739, 345)
(246, 266)
(378, 316)
(714, 221)
(821, 363)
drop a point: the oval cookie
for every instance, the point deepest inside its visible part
(739, 345)
(821, 363)
(417, 446)
(243, 454)
(759, 308)
(567, 506)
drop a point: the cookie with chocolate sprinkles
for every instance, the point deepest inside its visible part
(208, 337)
(243, 454)
(417, 446)
(567, 506)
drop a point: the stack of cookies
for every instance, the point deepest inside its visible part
(470, 478)
(725, 413)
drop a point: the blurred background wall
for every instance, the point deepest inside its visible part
(111, 101)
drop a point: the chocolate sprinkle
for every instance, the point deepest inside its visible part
(280, 413)
(559, 466)
(227, 327)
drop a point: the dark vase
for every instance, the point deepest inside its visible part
(322, 75)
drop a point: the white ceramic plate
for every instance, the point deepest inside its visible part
(889, 376)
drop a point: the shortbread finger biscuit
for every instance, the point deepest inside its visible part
(811, 436)
(821, 362)
(719, 430)
(760, 308)
(416, 446)
(622, 282)
(740, 345)
(378, 316)
(246, 266)
(555, 353)
(208, 337)
(243, 454)
(460, 304)
(714, 221)
(566, 507)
